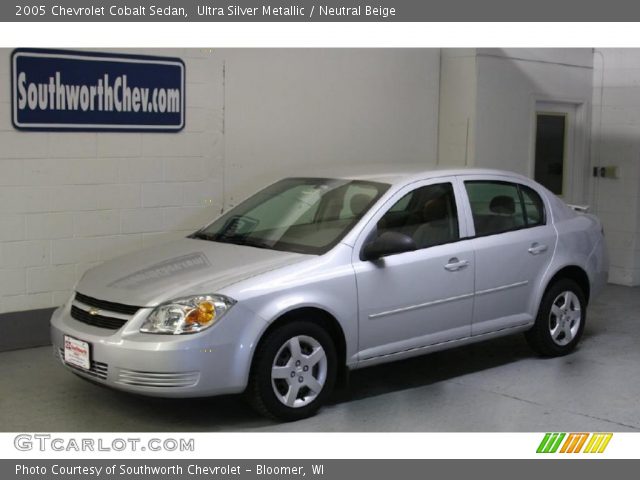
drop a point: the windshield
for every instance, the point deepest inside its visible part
(306, 215)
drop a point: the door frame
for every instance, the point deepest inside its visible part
(576, 162)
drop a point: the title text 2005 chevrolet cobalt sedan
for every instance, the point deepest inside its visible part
(310, 277)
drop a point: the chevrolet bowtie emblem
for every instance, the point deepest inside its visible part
(93, 311)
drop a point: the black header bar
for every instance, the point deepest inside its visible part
(320, 11)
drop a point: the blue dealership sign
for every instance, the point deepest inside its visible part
(82, 91)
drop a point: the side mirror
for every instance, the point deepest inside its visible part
(389, 243)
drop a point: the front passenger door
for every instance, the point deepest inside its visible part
(423, 297)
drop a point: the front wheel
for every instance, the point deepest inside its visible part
(561, 319)
(294, 371)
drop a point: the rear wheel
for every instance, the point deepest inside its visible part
(294, 371)
(561, 319)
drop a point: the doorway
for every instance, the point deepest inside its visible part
(553, 164)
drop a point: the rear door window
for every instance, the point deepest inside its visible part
(499, 207)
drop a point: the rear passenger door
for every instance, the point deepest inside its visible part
(514, 241)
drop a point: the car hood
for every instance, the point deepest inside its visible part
(188, 266)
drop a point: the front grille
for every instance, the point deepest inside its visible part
(104, 305)
(97, 370)
(100, 321)
(101, 313)
(157, 379)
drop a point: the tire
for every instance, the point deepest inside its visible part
(560, 321)
(293, 372)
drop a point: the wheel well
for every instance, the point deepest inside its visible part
(324, 319)
(576, 274)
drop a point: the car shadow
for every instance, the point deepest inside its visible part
(433, 368)
(232, 412)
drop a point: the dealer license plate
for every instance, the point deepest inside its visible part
(76, 352)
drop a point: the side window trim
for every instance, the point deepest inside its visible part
(542, 205)
(518, 186)
(524, 210)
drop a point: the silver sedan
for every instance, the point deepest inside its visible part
(311, 277)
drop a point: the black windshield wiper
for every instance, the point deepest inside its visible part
(257, 244)
(240, 240)
(235, 239)
(203, 236)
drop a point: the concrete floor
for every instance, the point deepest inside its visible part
(494, 386)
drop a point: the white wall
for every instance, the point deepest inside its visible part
(288, 110)
(71, 200)
(488, 101)
(616, 142)
(457, 115)
(510, 82)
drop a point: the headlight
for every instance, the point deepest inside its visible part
(187, 315)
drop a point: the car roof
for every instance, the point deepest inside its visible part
(403, 173)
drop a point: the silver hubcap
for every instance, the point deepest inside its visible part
(299, 371)
(565, 318)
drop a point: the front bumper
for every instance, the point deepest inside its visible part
(213, 362)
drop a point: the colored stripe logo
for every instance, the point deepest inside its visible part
(574, 442)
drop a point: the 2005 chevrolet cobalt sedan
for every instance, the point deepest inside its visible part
(310, 277)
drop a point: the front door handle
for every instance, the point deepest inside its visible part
(455, 264)
(537, 248)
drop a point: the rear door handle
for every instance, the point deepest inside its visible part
(455, 264)
(537, 249)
